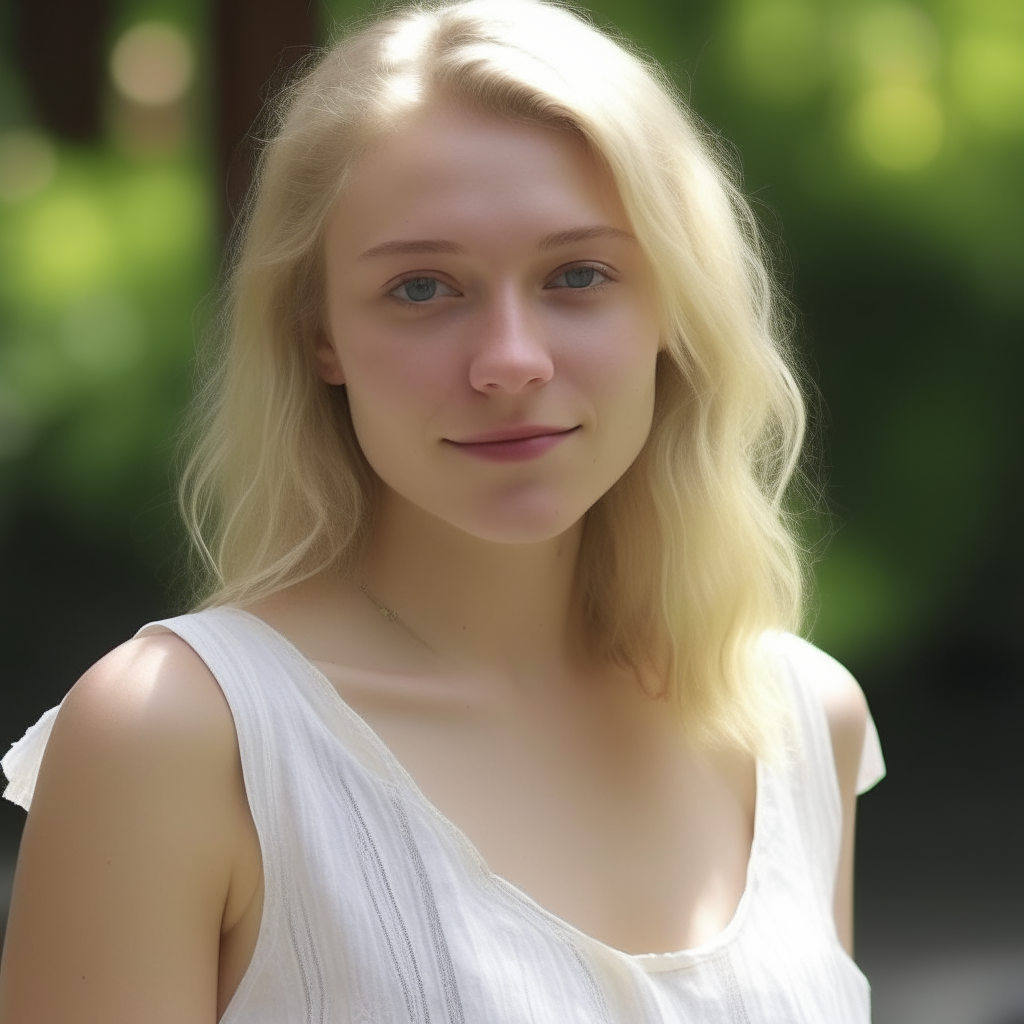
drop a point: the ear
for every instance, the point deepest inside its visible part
(327, 361)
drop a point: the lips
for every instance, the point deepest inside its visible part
(511, 434)
(512, 443)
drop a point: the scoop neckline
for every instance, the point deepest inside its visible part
(649, 962)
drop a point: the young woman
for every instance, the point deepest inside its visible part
(490, 713)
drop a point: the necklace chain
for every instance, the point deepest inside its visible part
(392, 616)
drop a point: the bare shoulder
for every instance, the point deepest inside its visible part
(144, 742)
(128, 852)
(150, 690)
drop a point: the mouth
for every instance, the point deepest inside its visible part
(512, 444)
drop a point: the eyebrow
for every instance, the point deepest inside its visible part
(416, 246)
(412, 248)
(560, 238)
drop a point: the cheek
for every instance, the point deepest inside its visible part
(619, 376)
(395, 389)
(615, 363)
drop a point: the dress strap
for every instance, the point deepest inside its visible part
(808, 667)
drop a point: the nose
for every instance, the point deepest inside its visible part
(511, 354)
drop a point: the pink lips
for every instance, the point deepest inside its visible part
(513, 444)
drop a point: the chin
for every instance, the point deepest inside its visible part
(522, 519)
(514, 534)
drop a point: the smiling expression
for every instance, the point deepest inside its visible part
(494, 321)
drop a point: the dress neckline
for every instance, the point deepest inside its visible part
(649, 962)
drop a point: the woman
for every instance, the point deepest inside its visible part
(489, 714)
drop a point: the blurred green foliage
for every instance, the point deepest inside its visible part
(105, 255)
(884, 138)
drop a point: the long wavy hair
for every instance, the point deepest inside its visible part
(690, 557)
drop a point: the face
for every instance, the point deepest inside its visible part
(494, 322)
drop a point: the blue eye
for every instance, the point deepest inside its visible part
(419, 289)
(579, 277)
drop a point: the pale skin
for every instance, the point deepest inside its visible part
(138, 893)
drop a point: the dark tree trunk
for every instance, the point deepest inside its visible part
(255, 45)
(60, 47)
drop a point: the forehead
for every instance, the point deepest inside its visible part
(450, 170)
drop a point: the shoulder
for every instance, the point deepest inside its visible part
(143, 757)
(147, 727)
(821, 677)
(131, 849)
(153, 689)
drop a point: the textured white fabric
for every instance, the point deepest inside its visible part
(21, 762)
(378, 910)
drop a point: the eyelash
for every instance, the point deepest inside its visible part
(598, 268)
(417, 277)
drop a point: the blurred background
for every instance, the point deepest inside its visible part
(882, 145)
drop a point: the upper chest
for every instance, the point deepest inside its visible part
(588, 798)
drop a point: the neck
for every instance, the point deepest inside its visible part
(506, 607)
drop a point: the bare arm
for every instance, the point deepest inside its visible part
(847, 716)
(126, 861)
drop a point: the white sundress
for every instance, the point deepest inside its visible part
(379, 910)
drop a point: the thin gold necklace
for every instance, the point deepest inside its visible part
(393, 616)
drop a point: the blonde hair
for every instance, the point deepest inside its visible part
(689, 559)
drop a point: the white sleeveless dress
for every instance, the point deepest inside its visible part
(378, 910)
